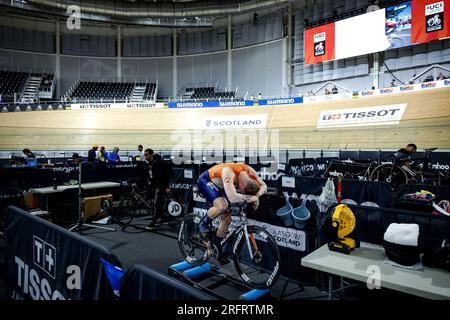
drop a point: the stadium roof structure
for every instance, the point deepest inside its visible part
(184, 13)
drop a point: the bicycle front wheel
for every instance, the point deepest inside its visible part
(190, 241)
(126, 210)
(382, 173)
(256, 257)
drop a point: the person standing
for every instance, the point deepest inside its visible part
(92, 154)
(140, 154)
(114, 155)
(102, 155)
(28, 153)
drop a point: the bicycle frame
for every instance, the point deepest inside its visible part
(141, 199)
(236, 233)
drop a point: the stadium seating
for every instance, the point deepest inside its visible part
(150, 90)
(112, 91)
(10, 83)
(209, 93)
(102, 91)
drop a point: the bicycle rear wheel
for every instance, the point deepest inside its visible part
(126, 210)
(190, 241)
(382, 173)
(261, 268)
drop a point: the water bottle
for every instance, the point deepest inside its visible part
(55, 186)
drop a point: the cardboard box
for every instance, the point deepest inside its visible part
(97, 207)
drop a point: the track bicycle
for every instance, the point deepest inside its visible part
(350, 170)
(396, 172)
(132, 204)
(255, 252)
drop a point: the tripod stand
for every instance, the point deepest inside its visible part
(79, 226)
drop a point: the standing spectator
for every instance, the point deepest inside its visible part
(92, 154)
(259, 96)
(102, 155)
(114, 155)
(393, 83)
(28, 153)
(429, 78)
(148, 155)
(334, 90)
(140, 153)
(30, 158)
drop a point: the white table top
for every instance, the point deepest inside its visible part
(428, 282)
(85, 186)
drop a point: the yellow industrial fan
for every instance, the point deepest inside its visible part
(343, 222)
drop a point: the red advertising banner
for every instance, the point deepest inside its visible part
(319, 44)
(430, 20)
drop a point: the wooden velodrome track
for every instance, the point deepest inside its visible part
(425, 122)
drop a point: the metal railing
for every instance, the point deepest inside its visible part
(27, 69)
(117, 80)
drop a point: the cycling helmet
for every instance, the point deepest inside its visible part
(349, 201)
(370, 204)
(401, 243)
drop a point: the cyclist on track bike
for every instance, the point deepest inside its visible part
(218, 186)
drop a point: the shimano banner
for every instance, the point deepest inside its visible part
(47, 262)
(279, 101)
(239, 103)
(207, 104)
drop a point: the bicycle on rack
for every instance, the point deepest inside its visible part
(350, 170)
(255, 253)
(396, 172)
(132, 203)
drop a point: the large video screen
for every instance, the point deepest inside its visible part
(412, 22)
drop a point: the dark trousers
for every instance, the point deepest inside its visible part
(160, 199)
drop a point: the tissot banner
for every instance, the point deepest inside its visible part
(254, 121)
(100, 106)
(376, 115)
(47, 262)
